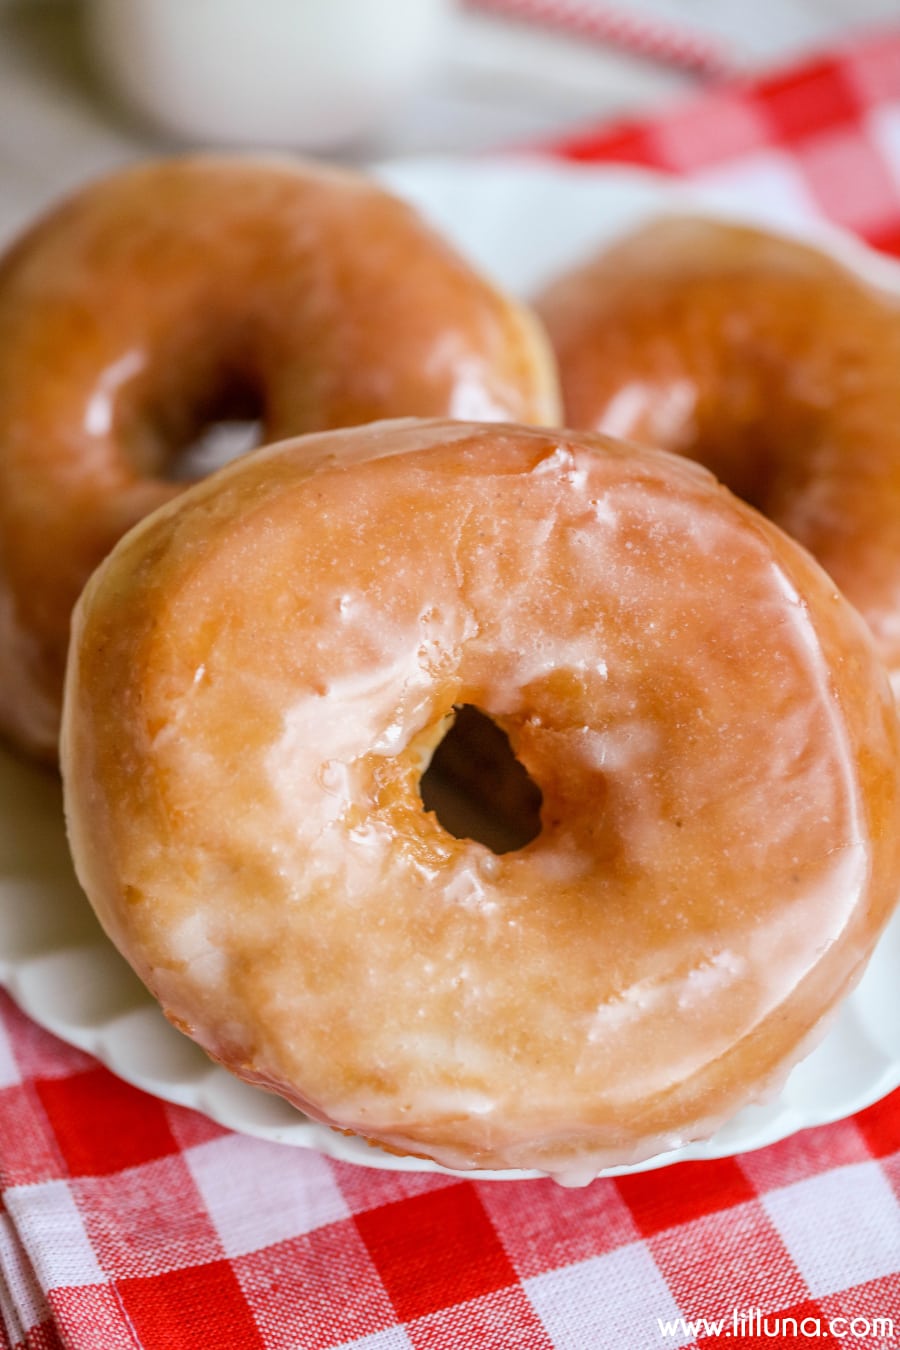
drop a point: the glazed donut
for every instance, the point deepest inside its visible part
(259, 671)
(767, 361)
(182, 292)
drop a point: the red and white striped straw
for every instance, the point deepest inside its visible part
(652, 38)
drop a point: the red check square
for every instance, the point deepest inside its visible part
(435, 1250)
(885, 237)
(194, 1309)
(809, 101)
(674, 1195)
(627, 143)
(102, 1125)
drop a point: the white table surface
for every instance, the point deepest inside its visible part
(499, 84)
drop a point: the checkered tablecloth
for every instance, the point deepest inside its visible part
(130, 1223)
(825, 135)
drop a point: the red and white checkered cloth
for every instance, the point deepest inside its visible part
(130, 1223)
(826, 136)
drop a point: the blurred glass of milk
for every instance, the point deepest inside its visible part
(305, 73)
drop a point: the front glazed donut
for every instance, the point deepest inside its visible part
(182, 292)
(257, 674)
(767, 361)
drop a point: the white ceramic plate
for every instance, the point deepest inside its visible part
(521, 222)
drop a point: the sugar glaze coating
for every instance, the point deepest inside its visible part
(183, 290)
(766, 360)
(254, 673)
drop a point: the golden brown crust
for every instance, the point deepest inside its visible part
(185, 290)
(253, 672)
(767, 361)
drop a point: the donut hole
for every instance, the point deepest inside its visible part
(181, 430)
(478, 789)
(216, 445)
(218, 429)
